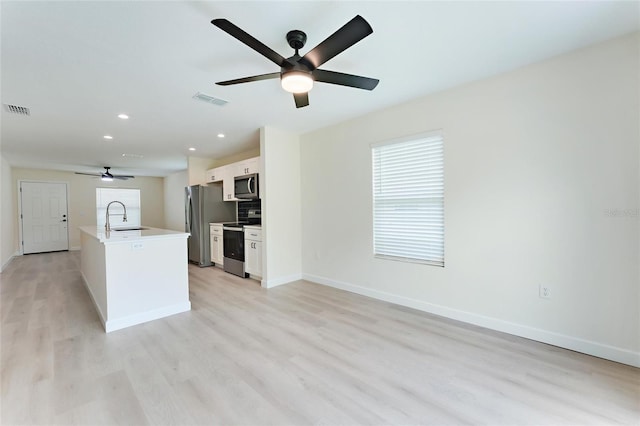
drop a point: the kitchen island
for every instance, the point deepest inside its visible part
(135, 276)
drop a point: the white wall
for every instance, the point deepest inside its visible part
(82, 198)
(223, 161)
(541, 165)
(7, 217)
(281, 223)
(197, 168)
(174, 185)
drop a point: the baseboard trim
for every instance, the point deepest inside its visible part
(5, 264)
(588, 347)
(93, 299)
(9, 260)
(120, 323)
(280, 281)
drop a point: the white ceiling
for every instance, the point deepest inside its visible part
(77, 65)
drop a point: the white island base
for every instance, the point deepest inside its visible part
(135, 276)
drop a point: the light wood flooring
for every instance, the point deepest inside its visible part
(297, 354)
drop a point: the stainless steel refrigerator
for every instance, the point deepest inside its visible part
(203, 204)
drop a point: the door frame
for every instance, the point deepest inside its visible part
(19, 192)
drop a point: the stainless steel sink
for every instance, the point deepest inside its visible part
(134, 228)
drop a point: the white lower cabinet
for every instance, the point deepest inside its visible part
(217, 250)
(253, 250)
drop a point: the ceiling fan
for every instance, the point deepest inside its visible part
(107, 176)
(297, 73)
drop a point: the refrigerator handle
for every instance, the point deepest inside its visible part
(187, 213)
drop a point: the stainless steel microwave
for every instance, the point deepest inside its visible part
(246, 187)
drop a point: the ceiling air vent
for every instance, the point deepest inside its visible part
(15, 109)
(210, 99)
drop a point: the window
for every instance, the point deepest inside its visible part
(130, 198)
(408, 199)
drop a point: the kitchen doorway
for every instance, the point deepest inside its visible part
(43, 216)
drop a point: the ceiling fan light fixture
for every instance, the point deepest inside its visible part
(297, 82)
(107, 178)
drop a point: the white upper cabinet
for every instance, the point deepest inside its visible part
(247, 167)
(228, 185)
(215, 174)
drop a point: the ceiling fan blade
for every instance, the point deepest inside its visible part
(351, 33)
(342, 79)
(89, 174)
(251, 41)
(249, 79)
(122, 177)
(302, 99)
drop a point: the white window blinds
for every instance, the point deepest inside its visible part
(408, 199)
(130, 198)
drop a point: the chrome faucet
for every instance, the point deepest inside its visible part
(107, 225)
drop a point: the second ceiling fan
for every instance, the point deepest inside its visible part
(297, 73)
(106, 176)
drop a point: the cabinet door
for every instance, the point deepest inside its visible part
(216, 250)
(217, 255)
(214, 247)
(228, 188)
(248, 257)
(249, 166)
(257, 251)
(215, 175)
(227, 174)
(253, 257)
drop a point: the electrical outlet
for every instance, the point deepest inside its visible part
(544, 292)
(137, 246)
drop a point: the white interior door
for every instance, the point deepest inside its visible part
(44, 217)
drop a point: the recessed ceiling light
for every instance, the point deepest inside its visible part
(221, 135)
(192, 149)
(123, 116)
(108, 137)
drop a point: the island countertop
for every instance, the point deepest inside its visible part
(147, 233)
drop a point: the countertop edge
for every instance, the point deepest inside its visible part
(118, 237)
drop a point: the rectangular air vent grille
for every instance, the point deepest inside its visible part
(15, 109)
(210, 99)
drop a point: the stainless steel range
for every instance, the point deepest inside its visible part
(233, 236)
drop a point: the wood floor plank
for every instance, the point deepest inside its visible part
(293, 355)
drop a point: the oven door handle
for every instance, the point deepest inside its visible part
(232, 229)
